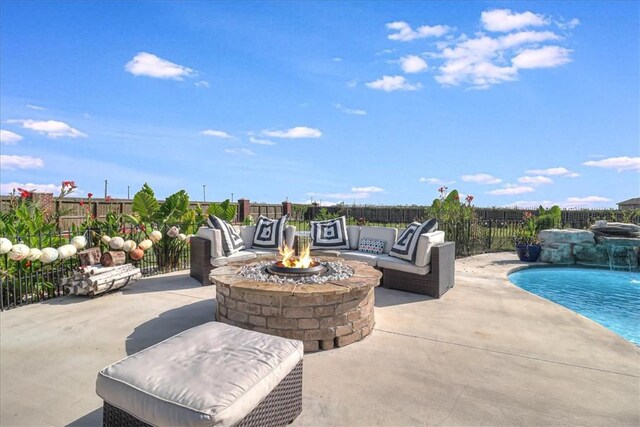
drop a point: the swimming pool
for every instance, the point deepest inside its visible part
(611, 298)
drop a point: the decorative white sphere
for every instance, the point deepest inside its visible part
(5, 245)
(129, 245)
(173, 232)
(66, 251)
(79, 242)
(182, 237)
(145, 244)
(155, 236)
(48, 255)
(19, 252)
(34, 254)
(105, 239)
(116, 243)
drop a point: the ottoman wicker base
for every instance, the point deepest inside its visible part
(279, 408)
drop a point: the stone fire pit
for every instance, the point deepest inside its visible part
(323, 315)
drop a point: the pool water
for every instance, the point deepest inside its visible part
(611, 298)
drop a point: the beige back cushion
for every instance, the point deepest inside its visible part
(425, 242)
(388, 234)
(353, 231)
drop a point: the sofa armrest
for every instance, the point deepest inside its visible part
(200, 259)
(215, 237)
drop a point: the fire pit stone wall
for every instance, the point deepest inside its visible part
(323, 316)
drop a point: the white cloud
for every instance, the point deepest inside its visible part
(20, 162)
(504, 20)
(511, 190)
(320, 203)
(202, 83)
(260, 141)
(371, 189)
(481, 178)
(356, 112)
(535, 180)
(568, 25)
(243, 151)
(216, 133)
(393, 83)
(336, 59)
(9, 138)
(619, 163)
(295, 132)
(52, 128)
(405, 33)
(35, 107)
(385, 52)
(38, 188)
(545, 57)
(587, 200)
(431, 180)
(557, 171)
(413, 64)
(340, 196)
(148, 64)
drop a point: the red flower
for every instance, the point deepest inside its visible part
(142, 227)
(81, 203)
(107, 199)
(27, 264)
(25, 194)
(456, 197)
(469, 198)
(70, 184)
(89, 195)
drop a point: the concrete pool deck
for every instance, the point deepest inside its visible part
(486, 353)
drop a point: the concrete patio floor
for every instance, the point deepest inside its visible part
(487, 353)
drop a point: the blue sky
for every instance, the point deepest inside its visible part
(367, 102)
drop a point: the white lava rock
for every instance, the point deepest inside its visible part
(19, 252)
(79, 242)
(116, 243)
(145, 244)
(48, 255)
(105, 239)
(66, 251)
(5, 245)
(182, 237)
(129, 245)
(34, 254)
(155, 236)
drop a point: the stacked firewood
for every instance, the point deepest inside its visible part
(96, 279)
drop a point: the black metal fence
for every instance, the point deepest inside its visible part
(26, 282)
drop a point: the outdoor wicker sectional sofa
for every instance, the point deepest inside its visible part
(431, 274)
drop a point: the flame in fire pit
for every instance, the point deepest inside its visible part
(289, 259)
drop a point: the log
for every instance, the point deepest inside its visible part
(89, 256)
(107, 278)
(112, 258)
(112, 285)
(98, 269)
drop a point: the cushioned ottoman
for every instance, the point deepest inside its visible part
(211, 375)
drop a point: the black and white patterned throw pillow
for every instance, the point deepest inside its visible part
(269, 233)
(329, 234)
(231, 240)
(406, 246)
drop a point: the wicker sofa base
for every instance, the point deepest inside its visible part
(279, 408)
(436, 283)
(200, 260)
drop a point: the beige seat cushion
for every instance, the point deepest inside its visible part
(326, 252)
(244, 255)
(386, 261)
(215, 237)
(263, 253)
(371, 259)
(388, 234)
(211, 375)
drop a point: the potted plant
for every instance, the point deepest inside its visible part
(527, 244)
